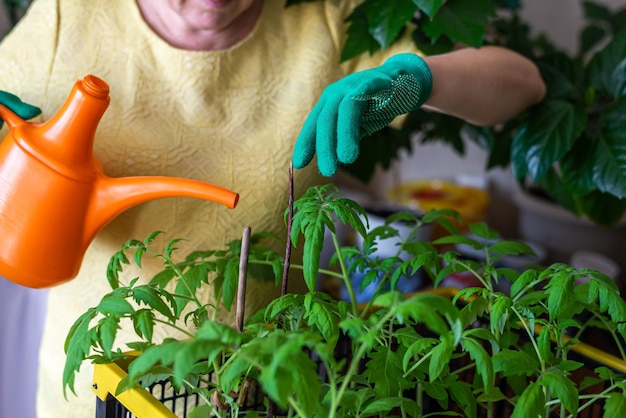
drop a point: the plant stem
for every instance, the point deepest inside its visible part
(381, 283)
(294, 404)
(207, 400)
(176, 327)
(345, 276)
(417, 364)
(479, 276)
(594, 399)
(616, 339)
(419, 396)
(181, 277)
(531, 337)
(326, 272)
(464, 368)
(356, 359)
(348, 377)
(523, 291)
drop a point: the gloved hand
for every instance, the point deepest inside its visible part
(17, 106)
(358, 105)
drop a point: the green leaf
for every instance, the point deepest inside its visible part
(233, 372)
(429, 309)
(430, 7)
(418, 348)
(170, 247)
(441, 355)
(114, 268)
(615, 405)
(384, 372)
(183, 290)
(323, 317)
(495, 395)
(231, 280)
(603, 69)
(499, 315)
(561, 74)
(107, 329)
(609, 300)
(138, 255)
(77, 346)
(527, 278)
(212, 330)
(461, 21)
(383, 405)
(388, 18)
(153, 375)
(114, 304)
(201, 411)
(189, 353)
(546, 137)
(597, 11)
(531, 403)
(311, 218)
(562, 388)
(462, 394)
(143, 323)
(163, 277)
(162, 354)
(545, 346)
(591, 36)
(484, 366)
(611, 141)
(618, 20)
(151, 297)
(353, 400)
(603, 209)
(561, 298)
(289, 367)
(484, 231)
(570, 365)
(359, 39)
(351, 214)
(436, 390)
(596, 161)
(514, 363)
(505, 247)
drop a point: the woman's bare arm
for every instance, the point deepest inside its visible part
(484, 86)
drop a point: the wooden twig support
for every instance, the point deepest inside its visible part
(243, 277)
(283, 289)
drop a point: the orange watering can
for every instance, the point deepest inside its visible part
(54, 196)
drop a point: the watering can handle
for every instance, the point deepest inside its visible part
(11, 119)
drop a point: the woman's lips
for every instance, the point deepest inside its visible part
(217, 4)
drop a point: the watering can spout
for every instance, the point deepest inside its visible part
(54, 196)
(116, 195)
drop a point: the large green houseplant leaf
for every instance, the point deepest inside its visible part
(578, 136)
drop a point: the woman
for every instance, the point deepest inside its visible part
(216, 90)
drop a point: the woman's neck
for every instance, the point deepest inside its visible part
(194, 31)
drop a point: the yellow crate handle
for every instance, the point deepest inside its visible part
(137, 400)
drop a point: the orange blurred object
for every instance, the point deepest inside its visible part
(470, 202)
(54, 196)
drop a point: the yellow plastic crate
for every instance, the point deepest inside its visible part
(138, 402)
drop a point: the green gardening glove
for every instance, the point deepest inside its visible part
(359, 105)
(21, 109)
